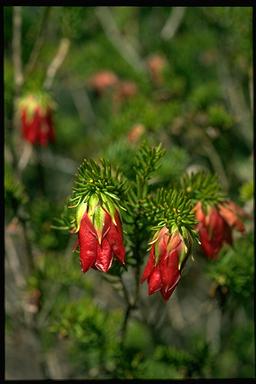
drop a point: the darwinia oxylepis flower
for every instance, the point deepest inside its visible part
(166, 260)
(100, 236)
(215, 225)
(36, 118)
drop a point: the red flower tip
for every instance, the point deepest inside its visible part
(215, 226)
(100, 237)
(36, 119)
(162, 270)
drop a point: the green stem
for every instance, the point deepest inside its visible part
(141, 191)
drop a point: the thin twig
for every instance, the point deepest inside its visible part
(33, 59)
(125, 291)
(14, 262)
(83, 105)
(112, 32)
(25, 156)
(124, 325)
(232, 90)
(18, 77)
(30, 256)
(173, 23)
(16, 48)
(216, 162)
(56, 62)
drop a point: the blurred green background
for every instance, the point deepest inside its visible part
(183, 77)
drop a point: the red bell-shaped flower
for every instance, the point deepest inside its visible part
(215, 226)
(99, 236)
(166, 260)
(36, 119)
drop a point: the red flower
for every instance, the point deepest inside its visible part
(156, 65)
(36, 119)
(135, 133)
(102, 80)
(216, 225)
(166, 259)
(125, 90)
(99, 237)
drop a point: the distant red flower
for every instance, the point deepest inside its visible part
(125, 90)
(36, 119)
(135, 133)
(216, 224)
(102, 80)
(156, 64)
(99, 237)
(166, 260)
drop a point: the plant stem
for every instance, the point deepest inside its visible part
(124, 325)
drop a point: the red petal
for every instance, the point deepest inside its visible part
(154, 281)
(169, 269)
(209, 246)
(115, 239)
(107, 224)
(149, 266)
(104, 256)
(215, 224)
(33, 129)
(162, 242)
(89, 224)
(167, 294)
(175, 241)
(88, 245)
(200, 215)
(229, 213)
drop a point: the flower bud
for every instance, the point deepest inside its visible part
(166, 260)
(36, 118)
(216, 224)
(100, 237)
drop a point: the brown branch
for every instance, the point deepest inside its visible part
(83, 105)
(216, 162)
(112, 32)
(33, 59)
(25, 156)
(14, 262)
(173, 23)
(56, 62)
(16, 48)
(233, 92)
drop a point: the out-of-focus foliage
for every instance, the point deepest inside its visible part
(200, 108)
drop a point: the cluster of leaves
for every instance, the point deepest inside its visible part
(203, 187)
(234, 270)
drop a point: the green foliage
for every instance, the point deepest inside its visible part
(147, 160)
(94, 179)
(173, 209)
(15, 195)
(246, 191)
(219, 117)
(234, 269)
(203, 187)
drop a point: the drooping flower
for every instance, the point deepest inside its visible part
(99, 235)
(36, 118)
(166, 260)
(216, 225)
